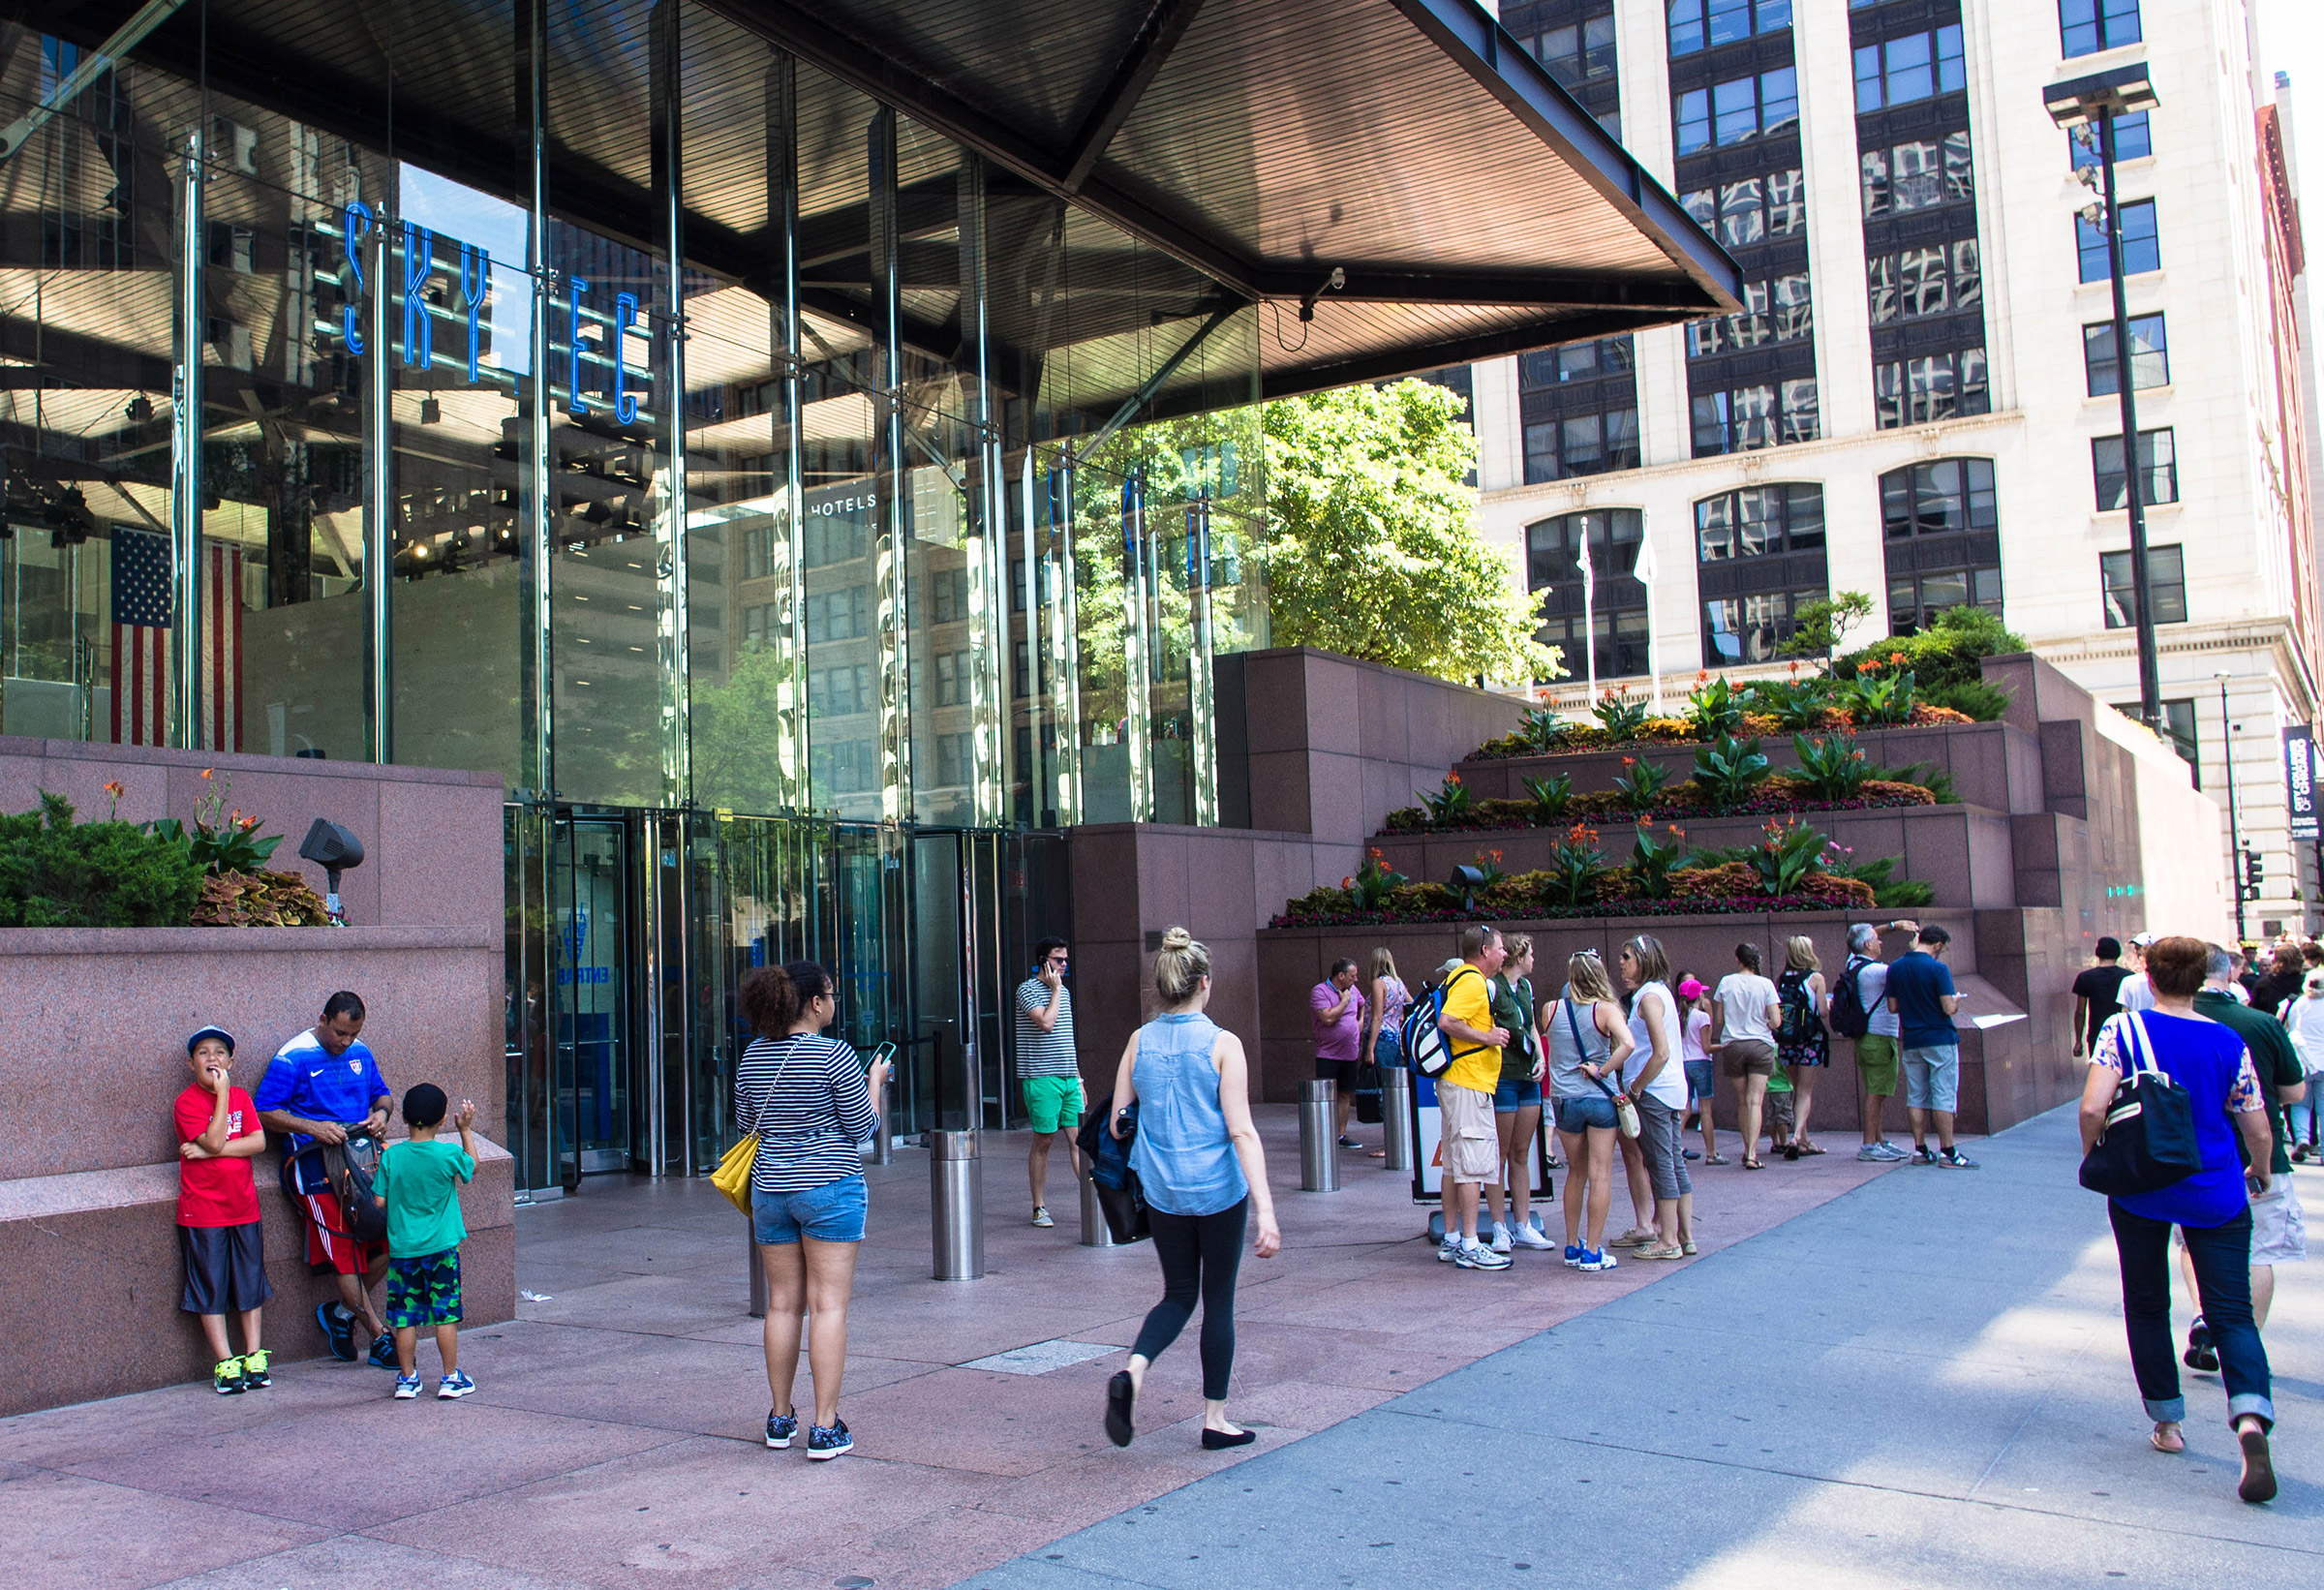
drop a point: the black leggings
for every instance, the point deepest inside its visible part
(1199, 1253)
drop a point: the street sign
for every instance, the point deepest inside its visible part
(2299, 780)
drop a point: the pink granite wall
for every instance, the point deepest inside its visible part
(92, 1030)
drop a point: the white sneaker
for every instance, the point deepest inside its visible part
(1449, 1249)
(1041, 1217)
(1529, 1236)
(1476, 1256)
(1500, 1238)
(1890, 1152)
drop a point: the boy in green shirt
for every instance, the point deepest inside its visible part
(418, 1182)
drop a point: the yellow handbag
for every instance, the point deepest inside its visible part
(733, 1174)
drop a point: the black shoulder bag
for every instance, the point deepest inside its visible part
(2149, 1139)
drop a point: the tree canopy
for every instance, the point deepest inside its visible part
(1372, 547)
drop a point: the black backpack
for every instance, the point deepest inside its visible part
(1850, 1018)
(348, 1169)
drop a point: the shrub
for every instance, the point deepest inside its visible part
(1923, 713)
(1725, 773)
(1716, 708)
(1640, 782)
(259, 900)
(1875, 698)
(1516, 896)
(1620, 718)
(1786, 856)
(1901, 791)
(1450, 802)
(1551, 797)
(1889, 893)
(1834, 769)
(1712, 881)
(1973, 698)
(1667, 731)
(1949, 652)
(1420, 899)
(1652, 862)
(55, 873)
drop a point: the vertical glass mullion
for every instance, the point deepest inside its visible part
(1066, 616)
(1201, 704)
(185, 455)
(785, 635)
(1034, 631)
(1138, 643)
(891, 536)
(987, 519)
(665, 103)
(379, 491)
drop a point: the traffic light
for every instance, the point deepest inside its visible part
(2254, 873)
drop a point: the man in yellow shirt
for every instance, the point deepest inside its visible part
(1469, 1143)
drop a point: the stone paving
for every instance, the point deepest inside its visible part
(615, 1437)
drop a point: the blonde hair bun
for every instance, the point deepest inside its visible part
(1177, 938)
(1180, 966)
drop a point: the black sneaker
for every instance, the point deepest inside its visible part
(2200, 1354)
(824, 1444)
(338, 1329)
(1923, 1154)
(226, 1378)
(258, 1370)
(382, 1352)
(781, 1427)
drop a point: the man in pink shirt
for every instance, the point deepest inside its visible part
(1336, 1010)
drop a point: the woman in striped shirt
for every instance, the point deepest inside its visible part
(812, 1105)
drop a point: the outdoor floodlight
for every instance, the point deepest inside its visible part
(2125, 90)
(1465, 882)
(334, 849)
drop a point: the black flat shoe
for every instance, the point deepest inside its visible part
(1118, 1399)
(1220, 1441)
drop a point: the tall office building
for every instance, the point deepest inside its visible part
(1919, 399)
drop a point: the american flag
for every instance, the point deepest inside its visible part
(144, 610)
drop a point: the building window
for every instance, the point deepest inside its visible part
(1954, 495)
(2178, 727)
(1760, 522)
(2150, 355)
(1699, 24)
(1928, 387)
(1578, 51)
(1753, 210)
(837, 615)
(1935, 280)
(1916, 597)
(1738, 109)
(1553, 367)
(1745, 418)
(1557, 449)
(1781, 310)
(2087, 26)
(1579, 410)
(1918, 174)
(2167, 585)
(1740, 630)
(2133, 139)
(2142, 250)
(2157, 469)
(1618, 600)
(1918, 66)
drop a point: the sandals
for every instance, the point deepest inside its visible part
(2171, 1445)
(1650, 1251)
(1715, 1159)
(1808, 1150)
(1688, 1247)
(1755, 1165)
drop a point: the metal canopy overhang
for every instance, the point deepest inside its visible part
(1472, 206)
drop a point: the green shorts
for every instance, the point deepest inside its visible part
(1054, 1103)
(1876, 1058)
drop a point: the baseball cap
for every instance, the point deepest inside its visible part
(1691, 988)
(2142, 940)
(217, 1032)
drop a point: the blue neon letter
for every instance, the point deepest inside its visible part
(576, 405)
(419, 263)
(359, 228)
(472, 289)
(625, 401)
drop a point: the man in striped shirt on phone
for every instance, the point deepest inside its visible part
(1047, 1066)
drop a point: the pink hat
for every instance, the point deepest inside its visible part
(1692, 989)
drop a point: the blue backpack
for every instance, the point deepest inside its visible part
(1425, 1047)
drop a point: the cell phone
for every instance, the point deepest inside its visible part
(886, 1051)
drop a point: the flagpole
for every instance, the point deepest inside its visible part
(1647, 569)
(1589, 612)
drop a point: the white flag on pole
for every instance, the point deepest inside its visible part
(1589, 610)
(1645, 571)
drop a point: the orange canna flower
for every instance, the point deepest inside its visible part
(208, 771)
(1496, 855)
(115, 789)
(1347, 883)
(1453, 778)
(1896, 657)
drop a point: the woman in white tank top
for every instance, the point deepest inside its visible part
(1656, 1081)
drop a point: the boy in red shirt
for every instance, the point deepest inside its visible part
(218, 1134)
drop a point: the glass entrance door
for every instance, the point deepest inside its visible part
(590, 888)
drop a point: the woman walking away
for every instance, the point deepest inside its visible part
(1805, 1044)
(1656, 1081)
(1743, 1004)
(812, 1105)
(1384, 1012)
(2211, 1208)
(1588, 1041)
(2303, 1018)
(1198, 1157)
(1516, 1101)
(1702, 1071)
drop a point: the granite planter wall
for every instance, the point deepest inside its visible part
(92, 1030)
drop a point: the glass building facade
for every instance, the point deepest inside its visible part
(804, 517)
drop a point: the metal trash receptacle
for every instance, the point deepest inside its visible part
(956, 1204)
(1396, 1117)
(1319, 1151)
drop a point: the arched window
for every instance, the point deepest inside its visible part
(1759, 559)
(1618, 600)
(1943, 529)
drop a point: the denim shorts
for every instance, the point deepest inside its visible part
(1509, 1097)
(1702, 1078)
(1577, 1116)
(833, 1213)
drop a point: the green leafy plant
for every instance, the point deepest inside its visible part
(1797, 706)
(1819, 627)
(1970, 697)
(1728, 771)
(1652, 861)
(1551, 797)
(1832, 767)
(1544, 727)
(259, 900)
(222, 841)
(1927, 775)
(1716, 708)
(1875, 698)
(1785, 855)
(1449, 803)
(1620, 717)
(55, 873)
(1641, 783)
(1575, 867)
(1374, 882)
(1488, 868)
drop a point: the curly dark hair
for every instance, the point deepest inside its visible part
(773, 996)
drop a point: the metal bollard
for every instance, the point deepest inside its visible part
(956, 1204)
(1318, 1153)
(1095, 1233)
(1396, 1117)
(883, 1142)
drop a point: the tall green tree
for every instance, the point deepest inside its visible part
(1372, 548)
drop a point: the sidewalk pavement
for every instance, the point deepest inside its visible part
(615, 1439)
(1921, 1384)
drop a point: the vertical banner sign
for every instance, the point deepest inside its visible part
(2299, 780)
